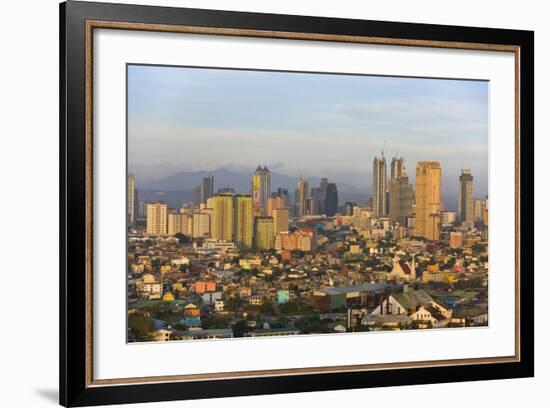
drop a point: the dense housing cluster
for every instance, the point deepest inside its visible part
(260, 263)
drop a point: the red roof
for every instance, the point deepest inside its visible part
(405, 268)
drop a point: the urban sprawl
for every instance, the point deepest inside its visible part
(270, 262)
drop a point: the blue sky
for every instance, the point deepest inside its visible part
(184, 119)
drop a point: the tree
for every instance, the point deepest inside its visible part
(469, 283)
(232, 303)
(240, 328)
(289, 308)
(478, 248)
(312, 324)
(141, 326)
(182, 238)
(216, 323)
(267, 308)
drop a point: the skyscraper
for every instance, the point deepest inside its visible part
(243, 220)
(157, 219)
(466, 197)
(283, 193)
(331, 201)
(207, 188)
(348, 208)
(401, 192)
(222, 216)
(301, 195)
(132, 199)
(379, 186)
(261, 188)
(401, 199)
(197, 195)
(397, 167)
(310, 206)
(428, 199)
(273, 203)
(479, 209)
(264, 235)
(280, 220)
(318, 195)
(323, 196)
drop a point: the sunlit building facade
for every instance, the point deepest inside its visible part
(157, 219)
(428, 200)
(222, 216)
(243, 220)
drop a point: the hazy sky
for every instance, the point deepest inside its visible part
(183, 119)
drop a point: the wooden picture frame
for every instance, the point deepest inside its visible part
(78, 20)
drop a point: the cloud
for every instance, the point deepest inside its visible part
(317, 125)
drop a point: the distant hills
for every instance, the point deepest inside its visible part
(179, 187)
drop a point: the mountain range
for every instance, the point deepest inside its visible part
(179, 187)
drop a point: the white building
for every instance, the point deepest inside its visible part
(403, 270)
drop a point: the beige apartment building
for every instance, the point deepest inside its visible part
(157, 219)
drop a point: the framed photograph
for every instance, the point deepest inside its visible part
(256, 203)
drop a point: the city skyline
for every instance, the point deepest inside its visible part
(338, 216)
(397, 176)
(422, 119)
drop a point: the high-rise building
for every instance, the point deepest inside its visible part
(261, 188)
(348, 208)
(243, 220)
(331, 201)
(401, 192)
(207, 188)
(177, 223)
(318, 197)
(264, 235)
(448, 217)
(186, 209)
(197, 195)
(283, 193)
(132, 199)
(479, 209)
(401, 199)
(222, 221)
(362, 218)
(379, 186)
(157, 219)
(301, 195)
(310, 206)
(280, 220)
(322, 196)
(200, 224)
(303, 240)
(466, 197)
(273, 203)
(428, 199)
(397, 167)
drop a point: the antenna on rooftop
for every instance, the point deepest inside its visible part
(383, 148)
